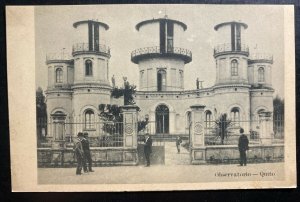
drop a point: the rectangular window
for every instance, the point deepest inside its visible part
(233, 37)
(90, 35)
(96, 37)
(238, 37)
(162, 36)
(170, 36)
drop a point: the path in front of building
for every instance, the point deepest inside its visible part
(163, 174)
(172, 157)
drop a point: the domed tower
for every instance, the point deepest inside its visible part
(161, 58)
(231, 54)
(91, 57)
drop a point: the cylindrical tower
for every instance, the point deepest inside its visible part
(260, 70)
(59, 93)
(161, 59)
(231, 54)
(91, 85)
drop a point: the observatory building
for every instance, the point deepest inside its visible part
(77, 85)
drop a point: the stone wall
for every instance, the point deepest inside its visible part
(230, 154)
(48, 157)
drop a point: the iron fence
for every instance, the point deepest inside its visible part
(101, 134)
(110, 134)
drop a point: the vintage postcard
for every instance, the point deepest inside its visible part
(151, 97)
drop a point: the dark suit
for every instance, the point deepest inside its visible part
(79, 156)
(243, 147)
(148, 149)
(87, 155)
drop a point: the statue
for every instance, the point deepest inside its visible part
(113, 82)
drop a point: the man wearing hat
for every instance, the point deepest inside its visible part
(87, 153)
(79, 153)
(148, 148)
(243, 147)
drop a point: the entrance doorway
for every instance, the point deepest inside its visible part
(162, 119)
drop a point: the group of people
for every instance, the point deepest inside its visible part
(84, 160)
(83, 154)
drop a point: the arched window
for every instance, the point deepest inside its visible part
(234, 67)
(89, 119)
(162, 119)
(261, 74)
(208, 119)
(59, 75)
(235, 116)
(88, 68)
(161, 80)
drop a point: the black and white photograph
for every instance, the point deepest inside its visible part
(162, 97)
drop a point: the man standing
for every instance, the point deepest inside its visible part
(178, 142)
(148, 149)
(79, 153)
(87, 153)
(243, 147)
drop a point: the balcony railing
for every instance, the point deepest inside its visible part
(156, 50)
(227, 48)
(58, 57)
(84, 47)
(257, 57)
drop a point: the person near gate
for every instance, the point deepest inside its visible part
(87, 153)
(178, 142)
(243, 147)
(78, 150)
(147, 149)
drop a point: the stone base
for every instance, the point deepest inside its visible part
(48, 157)
(229, 154)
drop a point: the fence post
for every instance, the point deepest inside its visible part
(265, 127)
(197, 141)
(130, 125)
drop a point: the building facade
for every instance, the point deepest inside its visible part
(77, 85)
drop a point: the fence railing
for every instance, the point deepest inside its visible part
(223, 48)
(85, 47)
(157, 49)
(110, 134)
(101, 134)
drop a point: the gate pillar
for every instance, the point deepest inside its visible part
(130, 132)
(58, 131)
(197, 139)
(265, 127)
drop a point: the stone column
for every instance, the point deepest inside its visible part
(197, 142)
(130, 125)
(265, 127)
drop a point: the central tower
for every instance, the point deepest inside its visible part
(161, 59)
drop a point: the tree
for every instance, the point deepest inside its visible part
(222, 125)
(278, 115)
(41, 112)
(278, 107)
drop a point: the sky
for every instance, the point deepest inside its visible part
(54, 32)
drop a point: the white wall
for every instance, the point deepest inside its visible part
(148, 35)
(150, 68)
